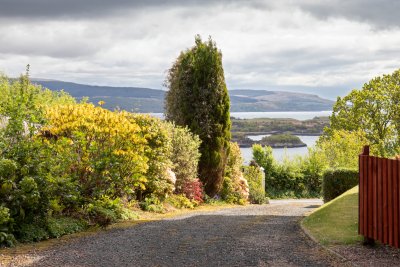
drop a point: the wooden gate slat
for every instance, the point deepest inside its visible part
(396, 204)
(370, 199)
(385, 201)
(360, 195)
(374, 198)
(365, 195)
(380, 200)
(390, 202)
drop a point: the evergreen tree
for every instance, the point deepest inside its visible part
(198, 98)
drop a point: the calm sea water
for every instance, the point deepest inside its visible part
(298, 115)
(279, 153)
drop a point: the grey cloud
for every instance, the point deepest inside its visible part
(380, 14)
(59, 50)
(87, 9)
(299, 60)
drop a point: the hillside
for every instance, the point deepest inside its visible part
(152, 100)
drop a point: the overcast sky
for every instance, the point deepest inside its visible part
(324, 47)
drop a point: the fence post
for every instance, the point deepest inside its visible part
(367, 241)
(365, 151)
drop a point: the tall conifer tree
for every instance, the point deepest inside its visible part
(198, 98)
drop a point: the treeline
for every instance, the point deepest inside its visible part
(314, 126)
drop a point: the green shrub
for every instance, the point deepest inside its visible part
(185, 157)
(299, 177)
(234, 188)
(8, 169)
(336, 182)
(229, 193)
(312, 167)
(6, 237)
(64, 225)
(180, 201)
(158, 154)
(254, 176)
(31, 232)
(152, 204)
(104, 211)
(101, 216)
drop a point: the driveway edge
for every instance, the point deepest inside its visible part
(331, 251)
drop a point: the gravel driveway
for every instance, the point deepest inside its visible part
(256, 235)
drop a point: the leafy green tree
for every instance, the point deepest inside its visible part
(198, 98)
(375, 110)
(341, 148)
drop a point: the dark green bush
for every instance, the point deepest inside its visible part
(64, 225)
(337, 181)
(31, 232)
(104, 211)
(102, 216)
(152, 204)
(6, 237)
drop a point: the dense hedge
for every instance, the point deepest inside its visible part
(298, 177)
(337, 181)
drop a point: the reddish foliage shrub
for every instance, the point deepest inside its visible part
(193, 190)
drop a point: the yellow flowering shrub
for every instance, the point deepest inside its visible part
(110, 148)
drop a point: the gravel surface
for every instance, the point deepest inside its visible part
(379, 255)
(256, 235)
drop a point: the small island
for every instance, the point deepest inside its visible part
(274, 141)
(281, 141)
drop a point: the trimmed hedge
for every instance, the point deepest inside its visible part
(337, 181)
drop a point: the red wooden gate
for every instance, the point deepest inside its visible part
(379, 198)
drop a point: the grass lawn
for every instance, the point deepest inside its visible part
(336, 222)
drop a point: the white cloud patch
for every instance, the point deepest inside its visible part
(286, 46)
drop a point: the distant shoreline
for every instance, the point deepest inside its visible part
(273, 146)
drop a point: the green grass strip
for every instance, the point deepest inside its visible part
(336, 222)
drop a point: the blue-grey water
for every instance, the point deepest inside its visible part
(279, 153)
(298, 115)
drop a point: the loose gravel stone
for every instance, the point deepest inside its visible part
(255, 235)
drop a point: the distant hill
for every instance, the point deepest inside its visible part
(152, 100)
